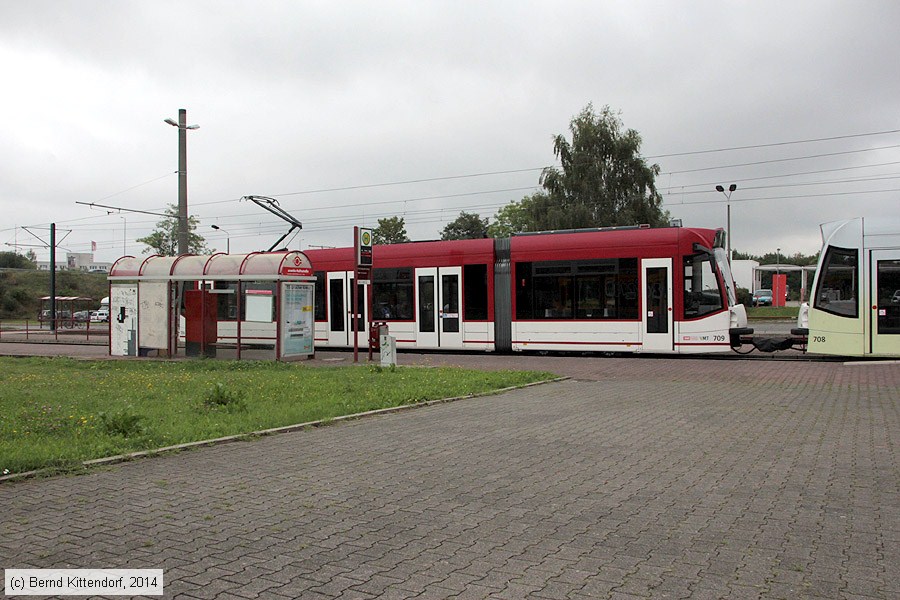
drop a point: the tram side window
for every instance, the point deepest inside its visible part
(321, 313)
(475, 293)
(838, 289)
(336, 292)
(888, 297)
(702, 295)
(392, 294)
(590, 289)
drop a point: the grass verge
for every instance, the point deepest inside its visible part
(57, 412)
(773, 312)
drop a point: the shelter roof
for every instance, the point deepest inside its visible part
(291, 264)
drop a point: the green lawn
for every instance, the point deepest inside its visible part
(59, 412)
(772, 312)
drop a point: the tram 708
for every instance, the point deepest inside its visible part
(855, 306)
(660, 290)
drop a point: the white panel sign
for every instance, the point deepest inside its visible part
(123, 319)
(153, 315)
(297, 319)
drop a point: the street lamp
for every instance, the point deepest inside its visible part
(227, 239)
(182, 178)
(731, 189)
(777, 261)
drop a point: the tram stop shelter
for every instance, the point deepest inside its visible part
(209, 305)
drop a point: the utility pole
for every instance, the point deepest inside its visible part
(182, 183)
(52, 276)
(182, 178)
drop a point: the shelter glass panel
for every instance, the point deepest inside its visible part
(226, 300)
(258, 301)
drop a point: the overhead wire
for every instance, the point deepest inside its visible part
(669, 189)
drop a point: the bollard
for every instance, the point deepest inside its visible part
(388, 347)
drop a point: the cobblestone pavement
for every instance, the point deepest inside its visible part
(641, 478)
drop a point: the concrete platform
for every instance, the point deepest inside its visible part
(640, 478)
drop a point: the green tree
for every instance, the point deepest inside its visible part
(602, 181)
(528, 214)
(164, 239)
(390, 231)
(467, 226)
(14, 260)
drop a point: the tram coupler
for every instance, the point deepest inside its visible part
(740, 336)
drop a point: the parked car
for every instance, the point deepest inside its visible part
(100, 316)
(762, 298)
(82, 315)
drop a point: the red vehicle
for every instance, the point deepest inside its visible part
(663, 290)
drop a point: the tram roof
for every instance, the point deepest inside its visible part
(544, 246)
(290, 264)
(615, 242)
(409, 254)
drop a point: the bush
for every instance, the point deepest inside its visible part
(221, 397)
(744, 296)
(123, 422)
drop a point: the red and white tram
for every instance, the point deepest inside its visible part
(663, 290)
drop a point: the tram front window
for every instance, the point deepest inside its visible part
(702, 295)
(838, 287)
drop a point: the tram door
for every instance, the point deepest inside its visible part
(656, 324)
(340, 309)
(438, 308)
(885, 305)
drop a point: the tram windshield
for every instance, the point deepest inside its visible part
(838, 283)
(702, 294)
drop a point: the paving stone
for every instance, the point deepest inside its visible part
(640, 478)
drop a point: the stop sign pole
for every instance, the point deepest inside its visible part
(362, 242)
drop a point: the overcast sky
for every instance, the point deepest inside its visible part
(297, 99)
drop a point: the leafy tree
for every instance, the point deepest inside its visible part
(528, 214)
(467, 226)
(13, 260)
(164, 239)
(390, 231)
(602, 181)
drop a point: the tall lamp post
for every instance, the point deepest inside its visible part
(731, 189)
(182, 178)
(227, 238)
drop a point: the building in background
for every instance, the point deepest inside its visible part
(77, 261)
